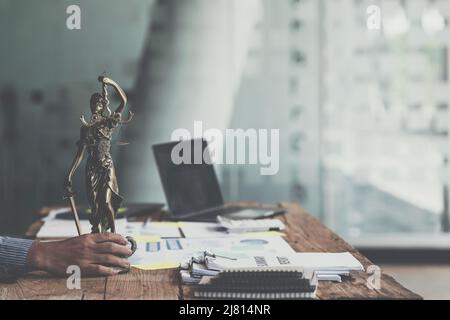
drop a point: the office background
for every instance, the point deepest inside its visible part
(363, 114)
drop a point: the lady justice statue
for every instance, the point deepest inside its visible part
(95, 140)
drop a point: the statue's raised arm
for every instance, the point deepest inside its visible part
(122, 95)
(120, 92)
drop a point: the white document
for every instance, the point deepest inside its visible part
(197, 230)
(54, 212)
(187, 278)
(202, 230)
(328, 277)
(58, 228)
(161, 229)
(332, 262)
(253, 260)
(250, 225)
(169, 253)
(333, 272)
(127, 228)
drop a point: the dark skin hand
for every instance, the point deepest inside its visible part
(95, 254)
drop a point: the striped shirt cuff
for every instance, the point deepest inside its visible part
(13, 257)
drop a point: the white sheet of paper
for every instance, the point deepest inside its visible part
(323, 261)
(252, 259)
(171, 252)
(127, 228)
(328, 277)
(52, 214)
(202, 230)
(58, 228)
(161, 229)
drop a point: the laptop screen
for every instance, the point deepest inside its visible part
(188, 187)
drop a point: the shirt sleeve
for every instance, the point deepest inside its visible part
(13, 257)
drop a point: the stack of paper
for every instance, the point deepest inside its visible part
(328, 266)
(198, 270)
(186, 277)
(325, 266)
(252, 260)
(250, 225)
(212, 264)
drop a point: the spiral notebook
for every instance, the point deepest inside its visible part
(283, 283)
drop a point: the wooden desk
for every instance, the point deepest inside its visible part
(304, 233)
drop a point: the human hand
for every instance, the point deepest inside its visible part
(95, 254)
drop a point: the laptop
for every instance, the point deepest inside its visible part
(192, 190)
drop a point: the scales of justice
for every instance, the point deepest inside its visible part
(101, 181)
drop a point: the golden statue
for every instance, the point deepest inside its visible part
(95, 140)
